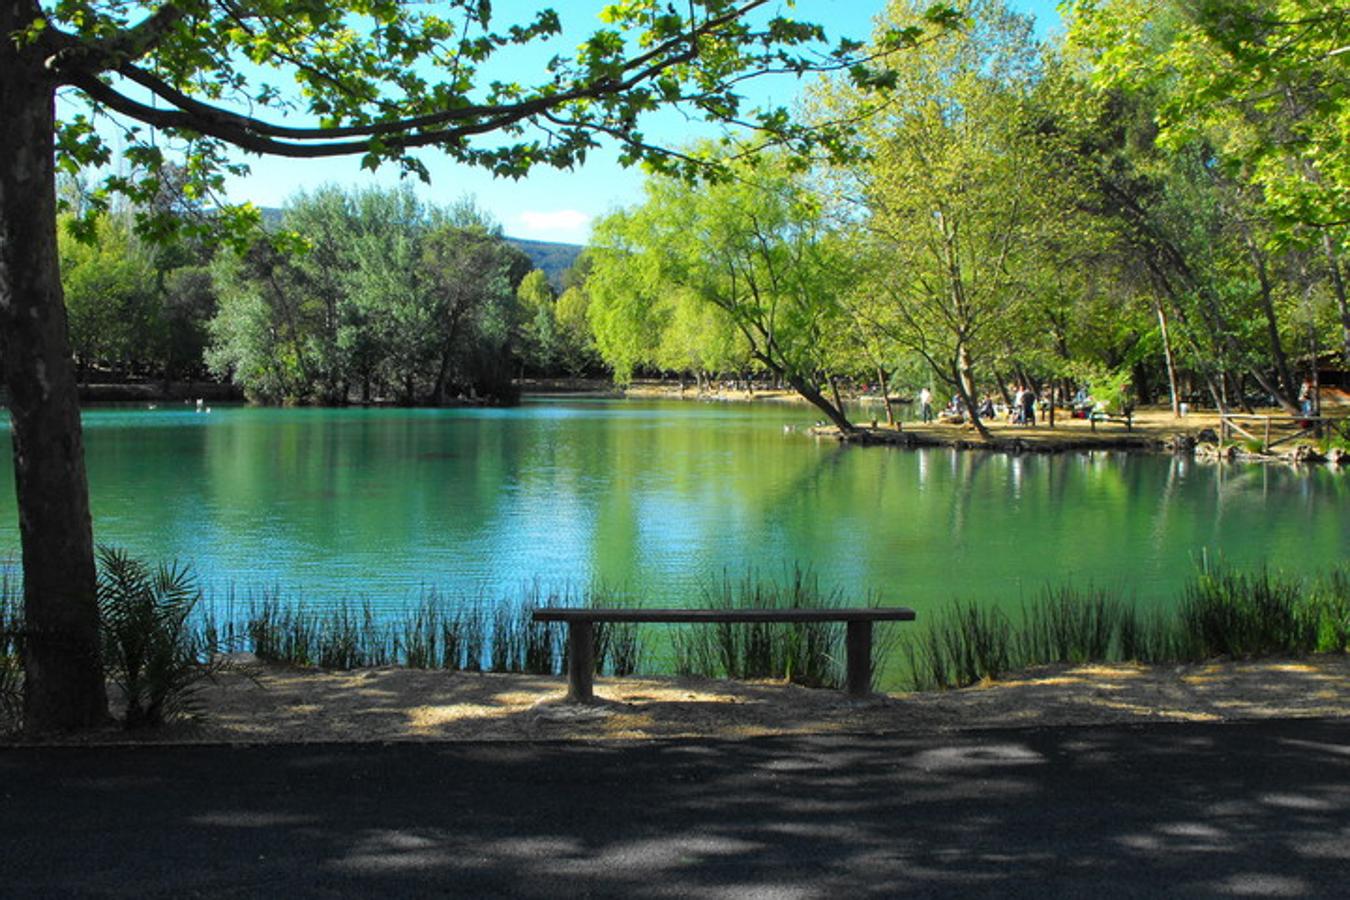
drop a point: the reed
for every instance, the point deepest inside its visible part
(808, 653)
(965, 644)
(1065, 625)
(1222, 612)
(1225, 612)
(1331, 596)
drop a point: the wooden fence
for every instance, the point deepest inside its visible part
(1271, 431)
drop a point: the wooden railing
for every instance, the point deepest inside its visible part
(1281, 429)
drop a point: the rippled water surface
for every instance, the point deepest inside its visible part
(659, 499)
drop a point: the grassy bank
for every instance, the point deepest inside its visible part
(1222, 612)
(498, 634)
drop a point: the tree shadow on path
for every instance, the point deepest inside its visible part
(1131, 810)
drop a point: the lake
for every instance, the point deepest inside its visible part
(659, 499)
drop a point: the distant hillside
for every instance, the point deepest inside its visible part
(553, 259)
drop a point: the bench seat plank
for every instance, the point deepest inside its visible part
(864, 614)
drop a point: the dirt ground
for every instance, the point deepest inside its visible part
(256, 703)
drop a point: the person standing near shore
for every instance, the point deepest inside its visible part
(926, 404)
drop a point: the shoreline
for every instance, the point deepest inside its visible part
(272, 703)
(1153, 430)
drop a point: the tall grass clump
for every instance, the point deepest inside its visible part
(281, 632)
(1225, 612)
(352, 639)
(1331, 598)
(807, 653)
(520, 644)
(1065, 625)
(421, 632)
(150, 649)
(343, 637)
(1150, 637)
(962, 645)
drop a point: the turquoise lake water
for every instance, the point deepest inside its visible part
(659, 500)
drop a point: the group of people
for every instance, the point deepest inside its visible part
(1022, 410)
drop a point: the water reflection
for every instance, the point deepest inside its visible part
(662, 499)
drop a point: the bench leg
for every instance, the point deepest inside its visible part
(859, 644)
(580, 661)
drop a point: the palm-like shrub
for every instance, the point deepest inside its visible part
(149, 648)
(11, 666)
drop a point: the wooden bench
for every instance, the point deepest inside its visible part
(581, 635)
(1127, 420)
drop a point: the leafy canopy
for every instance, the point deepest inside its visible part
(383, 79)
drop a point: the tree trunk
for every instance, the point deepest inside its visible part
(63, 677)
(816, 399)
(1169, 359)
(965, 384)
(1338, 286)
(442, 376)
(1284, 377)
(886, 396)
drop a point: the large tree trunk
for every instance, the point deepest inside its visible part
(809, 392)
(63, 677)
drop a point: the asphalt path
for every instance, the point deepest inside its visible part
(1149, 810)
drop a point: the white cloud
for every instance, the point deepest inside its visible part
(553, 225)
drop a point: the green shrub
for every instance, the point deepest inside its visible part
(149, 649)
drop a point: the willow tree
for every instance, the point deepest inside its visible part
(949, 190)
(305, 79)
(752, 252)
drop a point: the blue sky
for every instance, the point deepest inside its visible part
(554, 205)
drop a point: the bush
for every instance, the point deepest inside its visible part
(149, 649)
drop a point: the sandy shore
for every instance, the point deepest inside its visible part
(263, 703)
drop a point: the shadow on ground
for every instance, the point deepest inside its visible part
(1169, 809)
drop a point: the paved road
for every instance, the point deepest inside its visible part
(1122, 811)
